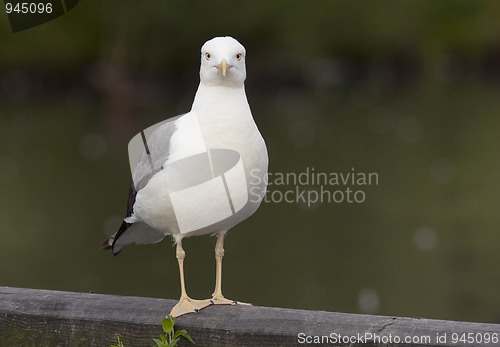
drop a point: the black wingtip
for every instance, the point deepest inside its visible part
(110, 242)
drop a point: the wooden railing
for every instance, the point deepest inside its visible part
(30, 317)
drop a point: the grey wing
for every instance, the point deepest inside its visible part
(149, 150)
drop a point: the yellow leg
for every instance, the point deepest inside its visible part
(185, 304)
(218, 298)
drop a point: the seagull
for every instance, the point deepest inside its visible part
(199, 173)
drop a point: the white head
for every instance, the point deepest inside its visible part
(223, 62)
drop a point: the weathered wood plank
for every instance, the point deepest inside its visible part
(30, 317)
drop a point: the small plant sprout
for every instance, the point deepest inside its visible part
(171, 336)
(120, 344)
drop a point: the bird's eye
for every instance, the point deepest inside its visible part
(238, 56)
(207, 56)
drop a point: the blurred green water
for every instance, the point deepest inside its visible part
(425, 241)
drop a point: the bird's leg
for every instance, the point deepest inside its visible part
(185, 304)
(218, 298)
(219, 253)
(181, 254)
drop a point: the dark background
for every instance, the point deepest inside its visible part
(409, 90)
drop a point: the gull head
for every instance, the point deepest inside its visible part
(223, 62)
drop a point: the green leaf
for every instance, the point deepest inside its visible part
(183, 333)
(187, 336)
(168, 325)
(170, 318)
(120, 344)
(159, 343)
(174, 342)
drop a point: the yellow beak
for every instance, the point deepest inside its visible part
(223, 67)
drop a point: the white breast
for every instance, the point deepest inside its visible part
(220, 119)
